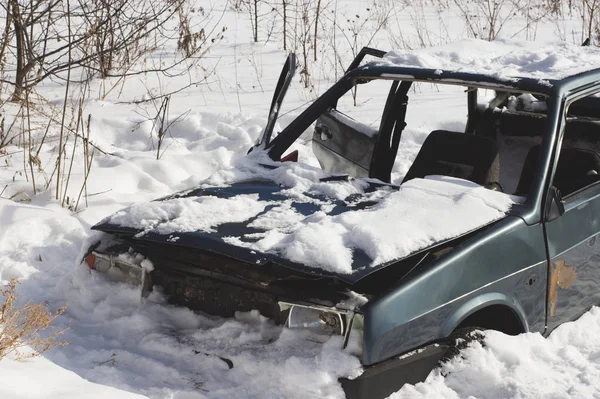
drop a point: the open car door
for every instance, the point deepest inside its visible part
(285, 78)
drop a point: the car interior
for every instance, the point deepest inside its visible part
(579, 160)
(499, 149)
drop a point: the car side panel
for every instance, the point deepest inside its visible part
(505, 264)
(574, 249)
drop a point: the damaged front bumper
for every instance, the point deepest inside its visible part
(218, 293)
(383, 379)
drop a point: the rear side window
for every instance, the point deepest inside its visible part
(579, 159)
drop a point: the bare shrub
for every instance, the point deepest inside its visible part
(189, 41)
(76, 42)
(590, 18)
(20, 325)
(358, 30)
(485, 19)
(252, 7)
(109, 38)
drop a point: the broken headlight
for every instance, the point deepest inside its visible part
(121, 269)
(318, 320)
(327, 321)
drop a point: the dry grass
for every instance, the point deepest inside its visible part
(20, 327)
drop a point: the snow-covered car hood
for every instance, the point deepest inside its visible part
(260, 221)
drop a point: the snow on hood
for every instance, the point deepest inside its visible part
(502, 58)
(421, 213)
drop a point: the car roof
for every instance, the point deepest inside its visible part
(547, 68)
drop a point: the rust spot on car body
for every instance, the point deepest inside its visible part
(562, 276)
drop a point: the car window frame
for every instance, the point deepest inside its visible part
(580, 195)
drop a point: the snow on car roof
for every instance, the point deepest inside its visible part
(505, 60)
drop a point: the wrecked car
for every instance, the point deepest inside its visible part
(492, 227)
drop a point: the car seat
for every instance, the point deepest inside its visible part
(460, 155)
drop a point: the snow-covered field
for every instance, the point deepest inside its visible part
(123, 347)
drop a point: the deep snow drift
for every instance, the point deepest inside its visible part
(564, 365)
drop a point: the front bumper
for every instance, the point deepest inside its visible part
(383, 379)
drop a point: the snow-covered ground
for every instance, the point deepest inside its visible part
(157, 350)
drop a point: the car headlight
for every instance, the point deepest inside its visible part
(318, 320)
(327, 321)
(121, 270)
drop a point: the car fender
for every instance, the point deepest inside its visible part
(478, 303)
(428, 305)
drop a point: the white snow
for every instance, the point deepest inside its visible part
(133, 258)
(564, 365)
(125, 347)
(421, 213)
(146, 346)
(504, 59)
(187, 214)
(354, 302)
(282, 217)
(526, 102)
(39, 378)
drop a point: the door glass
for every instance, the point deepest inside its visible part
(365, 102)
(579, 159)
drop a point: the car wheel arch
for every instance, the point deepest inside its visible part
(493, 310)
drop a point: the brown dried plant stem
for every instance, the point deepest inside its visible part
(255, 20)
(87, 164)
(29, 141)
(284, 25)
(62, 123)
(316, 29)
(64, 195)
(20, 325)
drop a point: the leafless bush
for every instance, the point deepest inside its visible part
(47, 38)
(76, 41)
(303, 36)
(20, 326)
(252, 7)
(485, 19)
(358, 30)
(424, 32)
(161, 124)
(189, 40)
(589, 11)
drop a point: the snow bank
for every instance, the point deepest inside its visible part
(528, 366)
(39, 378)
(504, 59)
